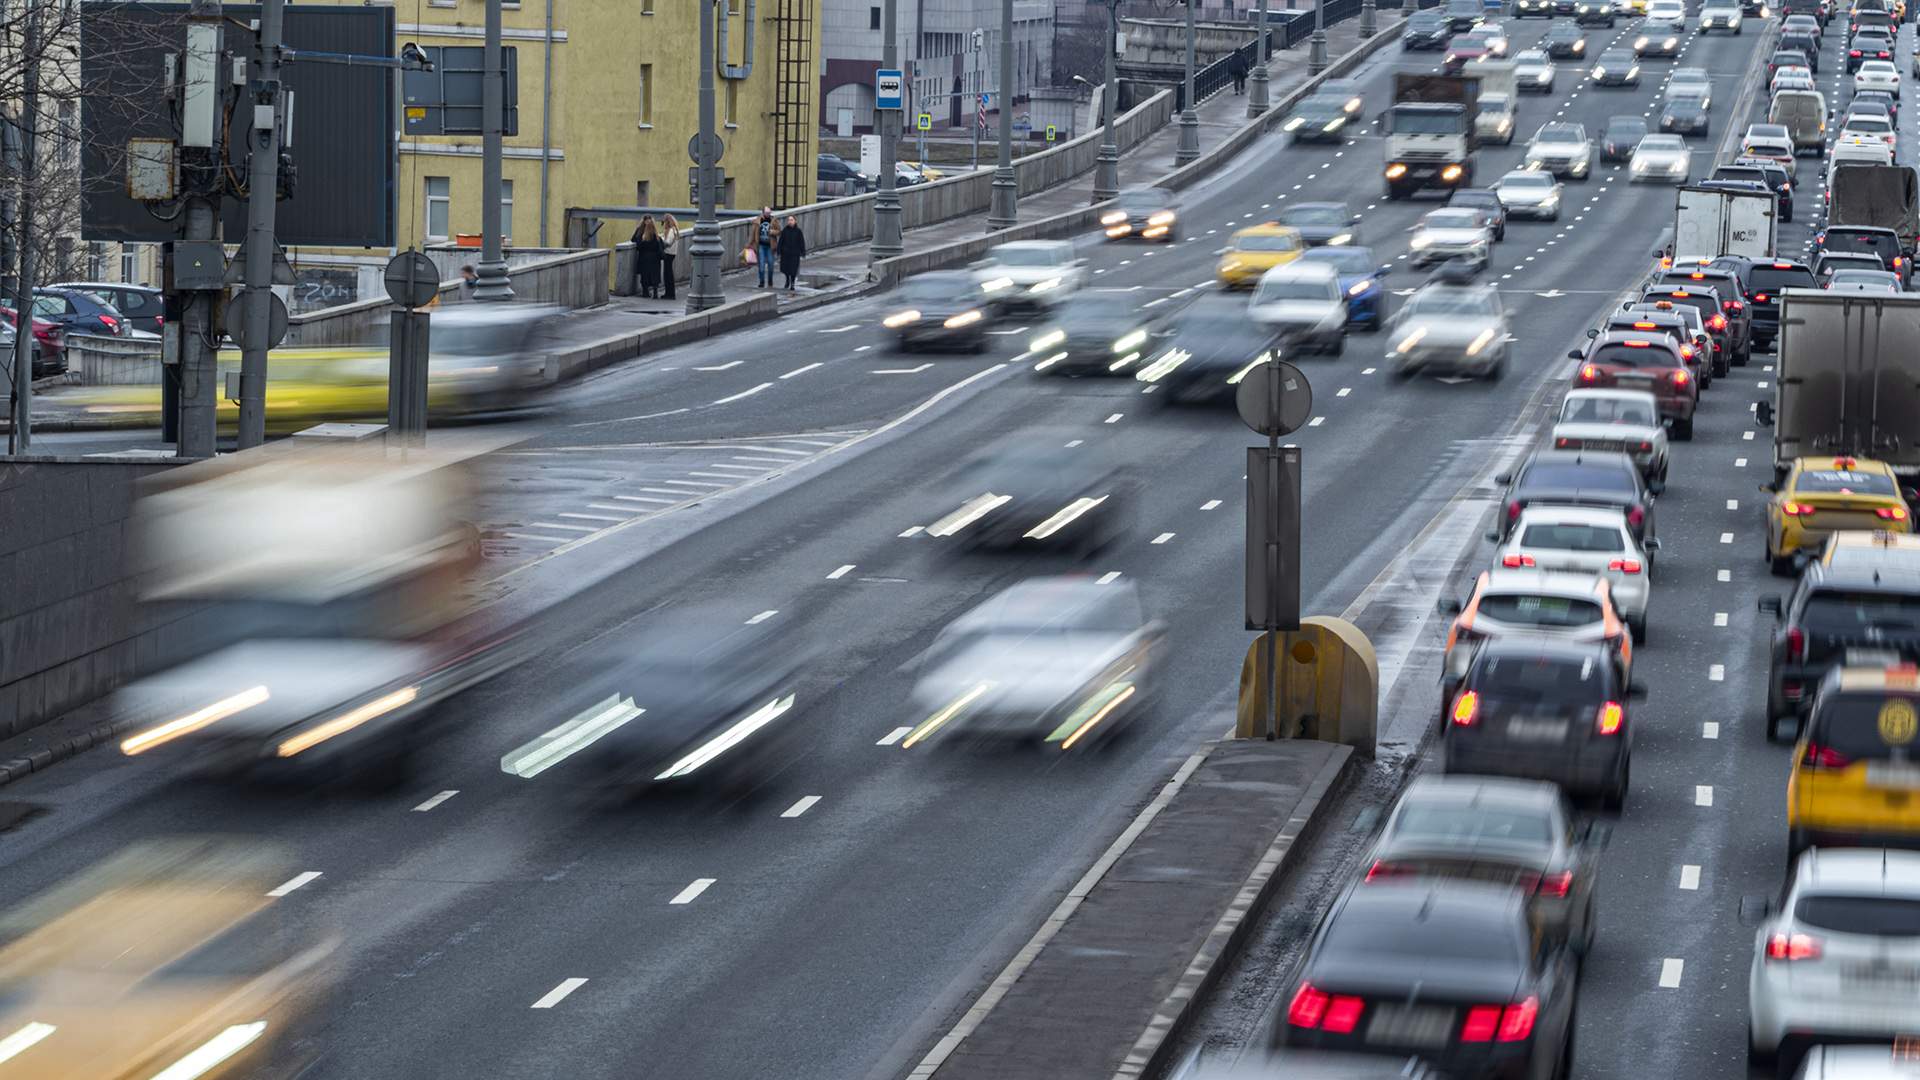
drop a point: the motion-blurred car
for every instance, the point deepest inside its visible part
(1616, 67)
(1772, 141)
(1530, 193)
(1533, 70)
(1657, 41)
(1544, 709)
(1098, 333)
(79, 311)
(1720, 15)
(1639, 360)
(1561, 148)
(1321, 222)
(1449, 233)
(1063, 662)
(1529, 601)
(940, 308)
(1594, 13)
(1208, 348)
(1031, 275)
(1149, 213)
(1868, 602)
(1564, 41)
(1362, 282)
(1478, 44)
(1425, 31)
(1822, 495)
(1256, 249)
(1450, 971)
(1661, 157)
(698, 699)
(1032, 490)
(1685, 116)
(1621, 135)
(1464, 15)
(1518, 833)
(1303, 304)
(1450, 328)
(1627, 421)
(1587, 540)
(1320, 118)
(1493, 212)
(1690, 82)
(1348, 91)
(1578, 478)
(1837, 959)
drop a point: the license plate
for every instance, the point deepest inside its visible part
(1888, 977)
(1602, 444)
(1537, 730)
(1888, 774)
(1410, 1025)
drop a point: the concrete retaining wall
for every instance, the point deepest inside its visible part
(70, 630)
(577, 361)
(111, 361)
(575, 279)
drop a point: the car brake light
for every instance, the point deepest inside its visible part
(1794, 509)
(110, 323)
(1735, 305)
(1718, 322)
(1824, 757)
(1564, 443)
(1644, 326)
(1513, 510)
(1343, 1014)
(1508, 1023)
(1516, 1022)
(1589, 373)
(1759, 298)
(1637, 344)
(1891, 513)
(1466, 708)
(1559, 884)
(1680, 378)
(1635, 516)
(1697, 276)
(1610, 718)
(1314, 1008)
(1686, 352)
(1855, 52)
(1381, 870)
(1793, 947)
(1645, 445)
(1625, 566)
(1796, 643)
(1512, 561)
(1482, 1022)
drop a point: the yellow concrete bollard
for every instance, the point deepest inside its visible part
(1329, 686)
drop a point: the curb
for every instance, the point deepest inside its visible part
(19, 768)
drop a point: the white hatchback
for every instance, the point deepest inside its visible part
(1586, 540)
(1839, 959)
(1877, 75)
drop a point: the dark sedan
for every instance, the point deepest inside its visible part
(1564, 41)
(1320, 118)
(1095, 334)
(1833, 610)
(1684, 116)
(1208, 349)
(940, 308)
(1620, 136)
(1578, 478)
(1034, 490)
(1426, 31)
(1764, 279)
(1322, 222)
(1545, 710)
(1449, 971)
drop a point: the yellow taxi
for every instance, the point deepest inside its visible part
(1856, 767)
(1877, 545)
(1254, 250)
(1822, 495)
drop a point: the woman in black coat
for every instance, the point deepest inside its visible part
(791, 247)
(648, 250)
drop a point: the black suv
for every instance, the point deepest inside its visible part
(1763, 279)
(1545, 710)
(1578, 478)
(1883, 244)
(1870, 606)
(1727, 284)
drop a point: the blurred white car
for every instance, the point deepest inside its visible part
(1303, 303)
(1877, 75)
(1691, 82)
(1661, 157)
(1534, 70)
(1453, 328)
(1031, 274)
(1839, 960)
(1720, 15)
(1451, 234)
(1605, 419)
(1586, 540)
(1561, 148)
(1666, 15)
(1866, 125)
(1790, 77)
(1525, 192)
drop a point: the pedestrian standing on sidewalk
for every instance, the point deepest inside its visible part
(469, 278)
(670, 240)
(1237, 67)
(764, 230)
(793, 248)
(647, 253)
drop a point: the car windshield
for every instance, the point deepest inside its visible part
(1876, 124)
(1564, 133)
(1877, 916)
(1028, 256)
(1881, 278)
(1687, 105)
(1573, 536)
(1451, 219)
(1579, 409)
(1275, 291)
(1532, 56)
(1849, 725)
(1540, 680)
(1578, 475)
(1314, 215)
(1321, 106)
(1527, 180)
(1469, 823)
(1740, 172)
(1101, 309)
(1532, 610)
(1452, 302)
(922, 290)
(1884, 245)
(1769, 279)
(1392, 941)
(1622, 129)
(1616, 56)
(1665, 143)
(1705, 305)
(1623, 354)
(1426, 20)
(1844, 482)
(1346, 260)
(1424, 121)
(1777, 132)
(1143, 200)
(1267, 242)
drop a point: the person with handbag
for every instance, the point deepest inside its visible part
(647, 253)
(764, 230)
(670, 242)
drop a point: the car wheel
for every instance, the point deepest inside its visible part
(1339, 346)
(1555, 216)
(1758, 1059)
(1682, 430)
(1614, 799)
(1638, 628)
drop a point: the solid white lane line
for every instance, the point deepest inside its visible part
(841, 329)
(1210, 504)
(1690, 877)
(1115, 418)
(717, 475)
(915, 531)
(733, 468)
(1710, 729)
(1670, 970)
(645, 499)
(840, 573)
(1719, 618)
(589, 517)
(688, 894)
(763, 616)
(801, 807)
(1108, 578)
(902, 370)
(1162, 538)
(894, 736)
(763, 460)
(775, 450)
(1717, 673)
(1726, 538)
(294, 882)
(722, 367)
(667, 491)
(557, 525)
(1703, 795)
(692, 484)
(617, 506)
(559, 993)
(743, 394)
(435, 801)
(544, 539)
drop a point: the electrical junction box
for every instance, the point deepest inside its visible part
(150, 170)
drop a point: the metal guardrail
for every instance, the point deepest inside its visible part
(1218, 75)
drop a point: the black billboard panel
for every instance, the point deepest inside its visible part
(343, 122)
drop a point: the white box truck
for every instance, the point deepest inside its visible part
(1710, 222)
(1848, 378)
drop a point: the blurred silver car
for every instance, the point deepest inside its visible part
(1303, 304)
(1451, 233)
(1452, 328)
(1526, 193)
(1061, 661)
(1627, 421)
(1561, 148)
(1534, 70)
(1034, 489)
(1031, 274)
(1691, 82)
(1661, 157)
(941, 308)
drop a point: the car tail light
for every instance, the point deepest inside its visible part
(1564, 443)
(1733, 305)
(1680, 378)
(1513, 510)
(1759, 298)
(1625, 566)
(1589, 373)
(1505, 1023)
(1314, 1008)
(112, 324)
(1466, 708)
(1686, 352)
(1646, 446)
(1382, 870)
(1845, 463)
(1638, 344)
(1718, 322)
(1855, 52)
(1796, 643)
(1483, 1021)
(1635, 516)
(1512, 561)
(1891, 513)
(1794, 509)
(1824, 757)
(1558, 885)
(1608, 722)
(1792, 947)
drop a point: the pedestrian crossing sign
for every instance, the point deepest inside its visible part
(1052, 133)
(923, 121)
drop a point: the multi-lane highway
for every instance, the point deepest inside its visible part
(833, 922)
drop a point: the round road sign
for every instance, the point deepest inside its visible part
(714, 143)
(235, 320)
(412, 279)
(1274, 399)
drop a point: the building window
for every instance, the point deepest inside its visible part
(506, 210)
(646, 95)
(129, 265)
(437, 202)
(873, 18)
(642, 193)
(733, 102)
(646, 7)
(726, 193)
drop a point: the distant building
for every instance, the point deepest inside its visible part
(950, 50)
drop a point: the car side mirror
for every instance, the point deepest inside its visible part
(1651, 543)
(1755, 910)
(1503, 478)
(1769, 604)
(1637, 691)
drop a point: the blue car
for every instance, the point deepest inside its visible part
(1362, 278)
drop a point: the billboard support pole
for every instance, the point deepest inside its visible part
(20, 411)
(200, 154)
(493, 283)
(263, 182)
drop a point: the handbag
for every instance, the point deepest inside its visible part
(749, 256)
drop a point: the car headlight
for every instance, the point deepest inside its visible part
(1420, 240)
(1633, 72)
(1452, 172)
(1640, 43)
(900, 318)
(965, 318)
(1579, 47)
(1294, 124)
(998, 284)
(1343, 238)
(1359, 288)
(1045, 286)
(1130, 341)
(1396, 170)
(1228, 266)
(1334, 124)
(1161, 217)
(1599, 73)
(1113, 217)
(1046, 341)
(1505, 125)
(1671, 43)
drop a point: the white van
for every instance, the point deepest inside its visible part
(1858, 150)
(1804, 114)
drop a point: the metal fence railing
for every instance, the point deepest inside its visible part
(1281, 34)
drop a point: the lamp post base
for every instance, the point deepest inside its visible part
(886, 225)
(1106, 173)
(1368, 27)
(1189, 148)
(1257, 94)
(1317, 53)
(1002, 212)
(492, 282)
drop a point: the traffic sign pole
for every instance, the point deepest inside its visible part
(1274, 399)
(887, 97)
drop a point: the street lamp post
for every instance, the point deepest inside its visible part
(1002, 212)
(1410, 6)
(703, 290)
(493, 282)
(1106, 167)
(1367, 24)
(1189, 148)
(1317, 45)
(1257, 96)
(886, 204)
